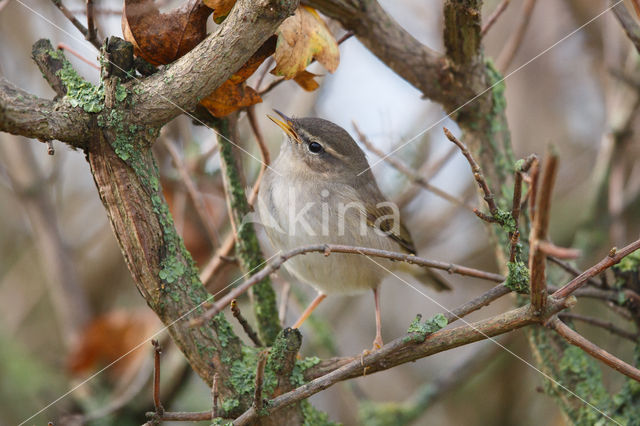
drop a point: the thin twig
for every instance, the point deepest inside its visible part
(194, 193)
(264, 152)
(284, 301)
(92, 32)
(214, 396)
(537, 257)
(67, 13)
(609, 326)
(494, 16)
(613, 258)
(565, 253)
(514, 236)
(335, 248)
(217, 261)
(590, 348)
(257, 393)
(67, 48)
(157, 405)
(628, 24)
(406, 170)
(235, 309)
(511, 47)
(477, 172)
(572, 270)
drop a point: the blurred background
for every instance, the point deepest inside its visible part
(69, 308)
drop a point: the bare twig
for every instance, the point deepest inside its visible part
(264, 152)
(494, 16)
(335, 248)
(551, 249)
(67, 13)
(194, 193)
(613, 258)
(477, 172)
(572, 270)
(628, 24)
(235, 309)
(406, 170)
(67, 48)
(515, 213)
(609, 326)
(598, 353)
(537, 257)
(92, 32)
(511, 48)
(214, 397)
(157, 405)
(257, 393)
(533, 188)
(284, 301)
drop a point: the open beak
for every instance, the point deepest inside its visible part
(285, 124)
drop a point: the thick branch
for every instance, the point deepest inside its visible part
(181, 85)
(24, 114)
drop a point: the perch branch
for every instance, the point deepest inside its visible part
(335, 248)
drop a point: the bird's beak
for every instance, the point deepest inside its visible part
(285, 124)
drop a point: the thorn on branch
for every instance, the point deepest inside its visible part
(235, 309)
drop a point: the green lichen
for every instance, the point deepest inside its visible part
(314, 417)
(80, 93)
(247, 246)
(518, 277)
(630, 263)
(121, 92)
(420, 330)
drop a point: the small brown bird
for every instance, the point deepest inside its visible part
(320, 190)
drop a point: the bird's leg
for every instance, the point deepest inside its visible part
(314, 304)
(377, 343)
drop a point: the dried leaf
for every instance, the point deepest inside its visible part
(230, 97)
(302, 38)
(305, 79)
(221, 8)
(234, 93)
(161, 38)
(108, 337)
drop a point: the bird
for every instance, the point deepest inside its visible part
(320, 190)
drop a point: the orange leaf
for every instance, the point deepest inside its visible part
(302, 38)
(221, 8)
(234, 93)
(230, 97)
(305, 79)
(161, 38)
(108, 337)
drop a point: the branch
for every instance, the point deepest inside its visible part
(24, 114)
(392, 44)
(600, 354)
(613, 258)
(336, 248)
(235, 310)
(494, 16)
(69, 15)
(180, 86)
(609, 326)
(537, 258)
(402, 350)
(629, 25)
(407, 171)
(513, 44)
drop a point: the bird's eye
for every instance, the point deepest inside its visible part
(315, 147)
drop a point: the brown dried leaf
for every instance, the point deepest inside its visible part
(305, 79)
(161, 38)
(108, 337)
(302, 38)
(221, 8)
(234, 93)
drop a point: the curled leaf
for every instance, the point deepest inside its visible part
(234, 93)
(221, 8)
(305, 79)
(302, 38)
(161, 38)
